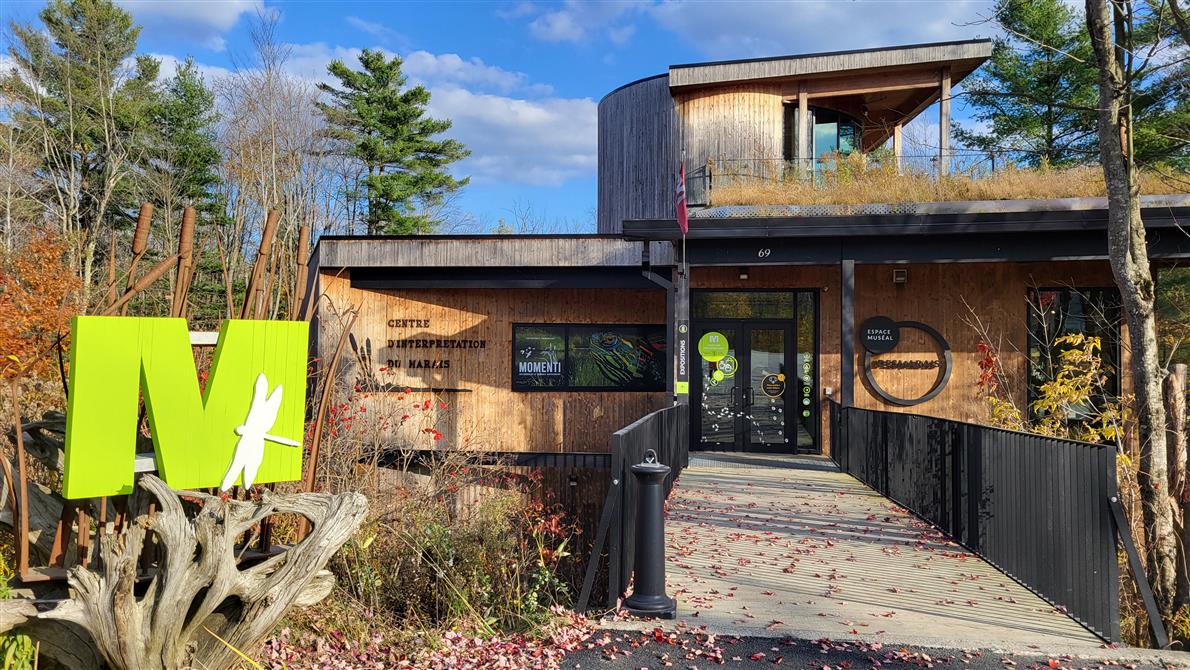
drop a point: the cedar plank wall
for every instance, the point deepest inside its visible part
(637, 154)
(739, 121)
(491, 416)
(935, 295)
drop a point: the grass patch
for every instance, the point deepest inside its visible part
(858, 180)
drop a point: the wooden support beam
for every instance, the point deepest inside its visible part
(944, 122)
(872, 83)
(898, 144)
(804, 159)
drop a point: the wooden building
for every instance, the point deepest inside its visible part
(762, 315)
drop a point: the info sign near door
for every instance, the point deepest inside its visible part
(881, 335)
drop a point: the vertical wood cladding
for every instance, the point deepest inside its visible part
(740, 125)
(947, 297)
(482, 411)
(937, 295)
(638, 154)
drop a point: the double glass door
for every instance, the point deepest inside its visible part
(745, 386)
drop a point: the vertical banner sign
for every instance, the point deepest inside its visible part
(682, 382)
(682, 336)
(244, 425)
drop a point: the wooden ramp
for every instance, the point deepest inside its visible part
(791, 547)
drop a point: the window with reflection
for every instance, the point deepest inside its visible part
(1056, 312)
(831, 133)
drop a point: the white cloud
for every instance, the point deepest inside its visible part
(753, 28)
(472, 72)
(516, 131)
(198, 20)
(541, 142)
(170, 65)
(377, 30)
(559, 26)
(310, 61)
(579, 21)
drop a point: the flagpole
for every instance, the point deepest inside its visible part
(682, 297)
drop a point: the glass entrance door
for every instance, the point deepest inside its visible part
(743, 382)
(764, 398)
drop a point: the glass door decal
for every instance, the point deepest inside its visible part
(717, 366)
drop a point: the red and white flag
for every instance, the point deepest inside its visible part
(683, 222)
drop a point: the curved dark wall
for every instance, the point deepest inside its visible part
(638, 153)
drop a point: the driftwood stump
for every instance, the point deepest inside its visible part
(198, 587)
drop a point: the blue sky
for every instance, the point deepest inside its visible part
(521, 80)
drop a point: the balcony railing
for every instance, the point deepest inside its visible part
(828, 171)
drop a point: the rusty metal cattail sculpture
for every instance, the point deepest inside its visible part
(255, 292)
(299, 297)
(140, 243)
(185, 263)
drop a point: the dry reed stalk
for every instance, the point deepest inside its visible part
(185, 263)
(254, 292)
(140, 243)
(300, 290)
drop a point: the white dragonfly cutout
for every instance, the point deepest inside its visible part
(262, 414)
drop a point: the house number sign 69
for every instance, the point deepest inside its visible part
(764, 253)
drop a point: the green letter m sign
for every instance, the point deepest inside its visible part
(252, 408)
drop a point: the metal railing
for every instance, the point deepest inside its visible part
(702, 180)
(665, 431)
(1038, 508)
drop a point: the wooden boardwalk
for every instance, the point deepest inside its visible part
(791, 547)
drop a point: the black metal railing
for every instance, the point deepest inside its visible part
(1038, 508)
(829, 170)
(665, 431)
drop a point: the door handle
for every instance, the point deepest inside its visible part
(748, 396)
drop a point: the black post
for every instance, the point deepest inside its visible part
(648, 597)
(847, 333)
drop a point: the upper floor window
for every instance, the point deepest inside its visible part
(831, 133)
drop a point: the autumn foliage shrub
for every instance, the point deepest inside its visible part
(39, 293)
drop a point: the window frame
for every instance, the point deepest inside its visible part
(567, 369)
(1030, 317)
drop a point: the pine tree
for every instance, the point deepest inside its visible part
(186, 157)
(375, 119)
(1036, 95)
(89, 111)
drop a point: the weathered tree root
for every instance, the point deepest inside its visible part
(198, 588)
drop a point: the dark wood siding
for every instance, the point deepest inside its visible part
(638, 154)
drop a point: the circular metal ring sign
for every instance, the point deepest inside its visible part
(880, 335)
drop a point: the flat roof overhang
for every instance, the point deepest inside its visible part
(500, 278)
(962, 55)
(942, 237)
(491, 261)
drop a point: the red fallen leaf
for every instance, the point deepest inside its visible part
(757, 656)
(1053, 663)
